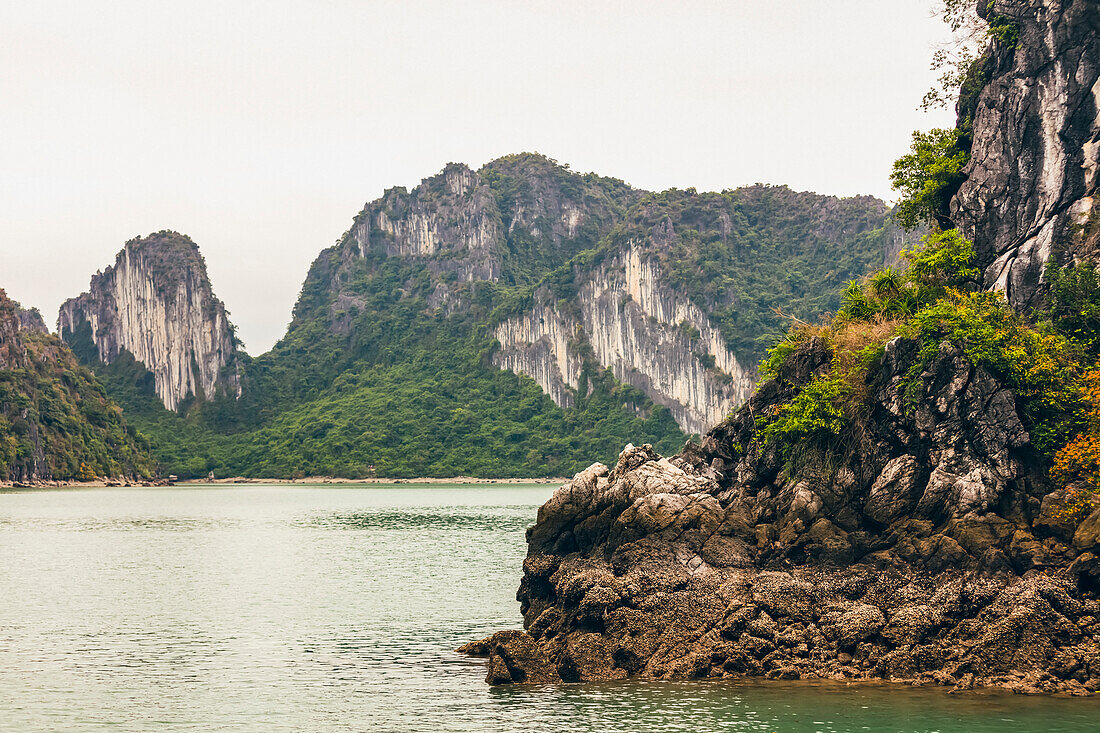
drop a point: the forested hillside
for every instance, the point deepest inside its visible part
(392, 364)
(56, 421)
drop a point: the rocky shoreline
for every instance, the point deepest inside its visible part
(341, 480)
(97, 483)
(935, 553)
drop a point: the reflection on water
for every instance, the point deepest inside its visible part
(264, 608)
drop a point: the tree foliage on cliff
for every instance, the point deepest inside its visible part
(56, 421)
(927, 177)
(934, 299)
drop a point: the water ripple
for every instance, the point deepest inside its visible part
(339, 610)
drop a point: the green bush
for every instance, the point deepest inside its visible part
(1042, 369)
(814, 414)
(930, 302)
(1073, 304)
(927, 177)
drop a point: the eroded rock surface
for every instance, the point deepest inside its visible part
(932, 552)
(1032, 178)
(156, 303)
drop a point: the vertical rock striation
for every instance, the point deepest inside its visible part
(631, 321)
(30, 319)
(451, 218)
(1032, 178)
(156, 303)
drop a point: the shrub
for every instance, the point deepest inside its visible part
(813, 414)
(927, 177)
(1073, 304)
(929, 302)
(1041, 368)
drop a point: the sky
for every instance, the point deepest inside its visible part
(261, 128)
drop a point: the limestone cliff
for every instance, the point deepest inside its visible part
(674, 293)
(156, 303)
(30, 319)
(658, 303)
(451, 218)
(631, 321)
(1032, 177)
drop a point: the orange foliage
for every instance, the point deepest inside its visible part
(1079, 461)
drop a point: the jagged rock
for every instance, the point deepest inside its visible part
(1032, 177)
(918, 558)
(30, 319)
(156, 304)
(632, 319)
(1087, 535)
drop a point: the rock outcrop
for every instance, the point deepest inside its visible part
(925, 545)
(451, 219)
(1032, 178)
(931, 551)
(156, 303)
(30, 319)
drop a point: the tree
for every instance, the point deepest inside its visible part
(928, 177)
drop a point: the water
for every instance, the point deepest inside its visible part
(336, 608)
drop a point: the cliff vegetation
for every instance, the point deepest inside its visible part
(56, 420)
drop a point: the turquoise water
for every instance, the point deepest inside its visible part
(336, 608)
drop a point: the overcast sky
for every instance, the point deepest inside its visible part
(261, 128)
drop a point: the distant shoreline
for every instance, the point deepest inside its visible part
(338, 480)
(241, 480)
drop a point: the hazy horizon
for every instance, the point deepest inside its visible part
(261, 130)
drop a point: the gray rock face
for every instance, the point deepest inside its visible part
(156, 303)
(918, 556)
(451, 218)
(15, 319)
(1036, 152)
(30, 319)
(638, 326)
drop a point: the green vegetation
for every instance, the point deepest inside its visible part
(927, 177)
(56, 421)
(401, 391)
(932, 301)
(386, 369)
(930, 175)
(1073, 304)
(965, 59)
(815, 413)
(753, 257)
